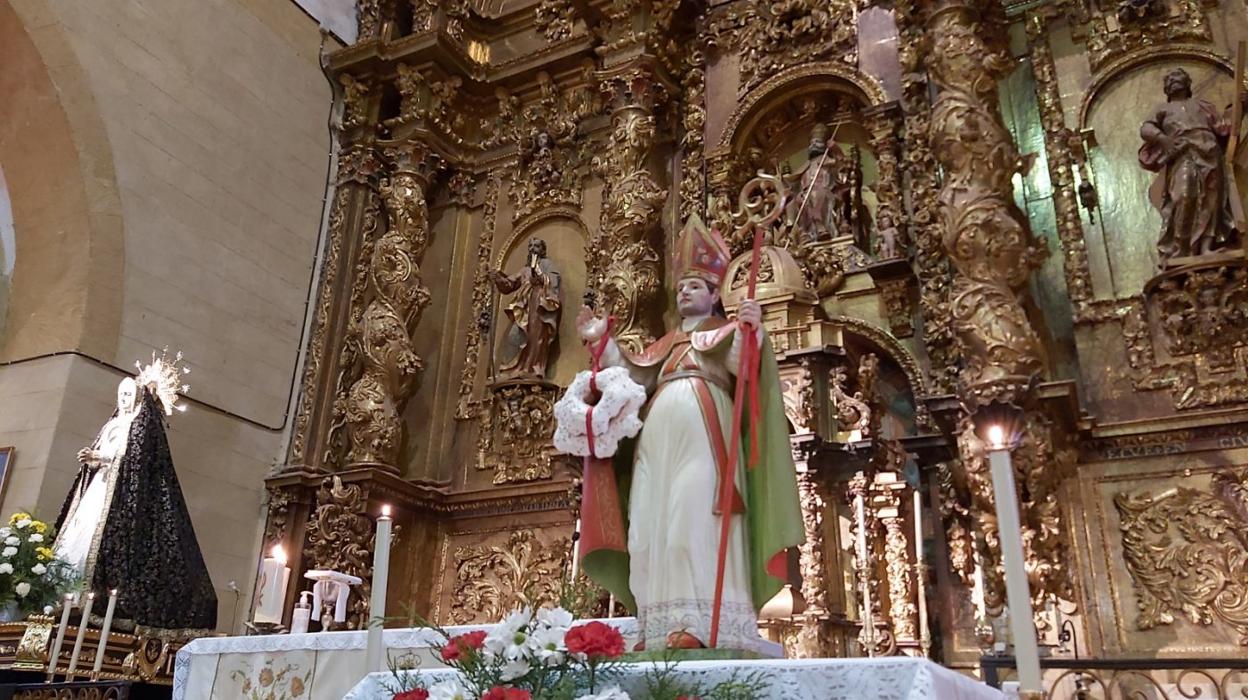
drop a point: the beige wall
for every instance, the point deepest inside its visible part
(189, 145)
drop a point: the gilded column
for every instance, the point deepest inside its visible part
(625, 266)
(394, 301)
(813, 637)
(993, 252)
(926, 231)
(985, 235)
(1059, 145)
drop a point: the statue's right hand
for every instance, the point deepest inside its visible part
(590, 326)
(84, 455)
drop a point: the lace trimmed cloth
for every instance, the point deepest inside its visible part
(616, 415)
(890, 678)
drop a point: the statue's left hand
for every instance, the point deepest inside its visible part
(750, 313)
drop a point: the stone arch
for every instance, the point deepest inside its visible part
(66, 291)
(792, 83)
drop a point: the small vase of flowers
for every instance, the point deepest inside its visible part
(32, 578)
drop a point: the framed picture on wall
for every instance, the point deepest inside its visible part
(6, 465)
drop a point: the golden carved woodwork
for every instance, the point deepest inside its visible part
(357, 167)
(492, 580)
(986, 236)
(885, 124)
(1063, 147)
(1041, 461)
(481, 295)
(355, 95)
(556, 18)
(397, 297)
(517, 429)
(778, 35)
(1187, 553)
(626, 266)
(1107, 36)
(340, 538)
(550, 152)
(692, 140)
(926, 229)
(889, 494)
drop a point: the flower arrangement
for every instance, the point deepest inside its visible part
(32, 579)
(543, 655)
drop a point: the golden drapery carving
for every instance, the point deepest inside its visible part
(1187, 553)
(340, 537)
(396, 299)
(492, 580)
(926, 229)
(478, 330)
(1062, 147)
(625, 267)
(986, 236)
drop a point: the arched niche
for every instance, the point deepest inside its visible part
(67, 278)
(1122, 246)
(771, 129)
(565, 235)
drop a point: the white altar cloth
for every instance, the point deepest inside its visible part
(886, 678)
(324, 665)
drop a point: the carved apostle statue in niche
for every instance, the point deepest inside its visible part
(1185, 143)
(533, 312)
(819, 188)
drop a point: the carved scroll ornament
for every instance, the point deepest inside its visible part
(492, 580)
(1187, 553)
(340, 537)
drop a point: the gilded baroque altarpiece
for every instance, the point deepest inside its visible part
(966, 227)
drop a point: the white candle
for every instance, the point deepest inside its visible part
(82, 634)
(868, 618)
(68, 604)
(104, 633)
(1017, 591)
(274, 575)
(377, 604)
(920, 571)
(611, 606)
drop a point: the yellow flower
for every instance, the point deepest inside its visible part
(19, 516)
(39, 526)
(43, 553)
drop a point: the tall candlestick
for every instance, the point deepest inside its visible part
(82, 634)
(274, 575)
(68, 604)
(1017, 591)
(868, 615)
(104, 633)
(377, 603)
(920, 571)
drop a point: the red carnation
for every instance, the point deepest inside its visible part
(456, 647)
(595, 640)
(418, 694)
(498, 692)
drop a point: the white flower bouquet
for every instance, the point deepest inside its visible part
(32, 579)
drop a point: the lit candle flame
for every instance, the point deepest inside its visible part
(996, 436)
(279, 554)
(385, 511)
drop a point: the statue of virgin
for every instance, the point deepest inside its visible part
(125, 524)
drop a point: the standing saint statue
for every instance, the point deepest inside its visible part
(820, 183)
(668, 478)
(533, 312)
(1185, 142)
(125, 524)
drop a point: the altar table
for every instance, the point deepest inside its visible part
(320, 665)
(885, 678)
(891, 678)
